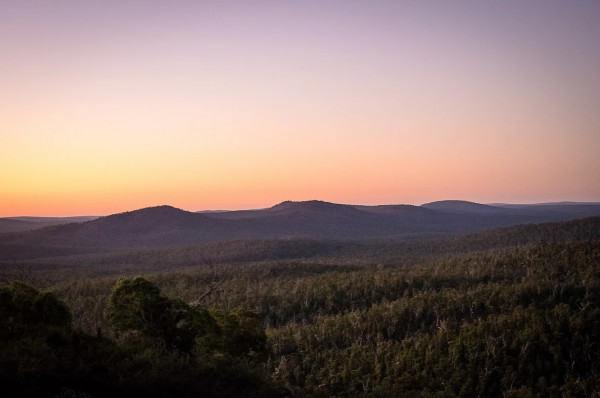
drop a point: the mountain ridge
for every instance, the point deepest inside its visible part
(165, 225)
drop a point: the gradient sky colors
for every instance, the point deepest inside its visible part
(109, 106)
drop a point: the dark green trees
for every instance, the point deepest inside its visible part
(223, 347)
(243, 333)
(164, 347)
(39, 352)
(136, 305)
(138, 308)
(25, 312)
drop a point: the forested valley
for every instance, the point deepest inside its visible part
(510, 312)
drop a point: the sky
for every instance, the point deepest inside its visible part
(108, 106)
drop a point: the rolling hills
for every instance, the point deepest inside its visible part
(166, 226)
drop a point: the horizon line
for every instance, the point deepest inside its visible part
(563, 202)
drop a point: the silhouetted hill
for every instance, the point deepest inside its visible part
(290, 208)
(395, 210)
(146, 227)
(168, 226)
(463, 206)
(313, 207)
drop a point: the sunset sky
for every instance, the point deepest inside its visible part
(108, 106)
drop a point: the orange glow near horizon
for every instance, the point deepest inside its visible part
(109, 107)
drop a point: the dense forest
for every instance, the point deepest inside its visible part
(511, 312)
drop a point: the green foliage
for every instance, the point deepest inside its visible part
(523, 323)
(169, 347)
(137, 306)
(24, 312)
(39, 351)
(243, 333)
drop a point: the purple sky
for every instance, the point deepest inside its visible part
(113, 105)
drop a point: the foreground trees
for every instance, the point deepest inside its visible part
(136, 307)
(25, 312)
(162, 347)
(138, 311)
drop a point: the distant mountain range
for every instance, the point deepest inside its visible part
(168, 226)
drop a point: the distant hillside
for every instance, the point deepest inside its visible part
(560, 211)
(20, 224)
(518, 214)
(517, 205)
(339, 254)
(463, 206)
(168, 226)
(11, 225)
